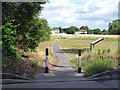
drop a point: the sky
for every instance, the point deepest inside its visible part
(91, 13)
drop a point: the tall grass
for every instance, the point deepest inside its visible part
(98, 66)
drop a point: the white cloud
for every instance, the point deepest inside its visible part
(93, 13)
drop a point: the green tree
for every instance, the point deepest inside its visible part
(20, 19)
(61, 31)
(85, 27)
(97, 31)
(9, 37)
(65, 30)
(114, 27)
(44, 29)
(90, 31)
(72, 30)
(104, 32)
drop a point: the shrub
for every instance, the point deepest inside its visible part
(34, 63)
(97, 66)
(8, 40)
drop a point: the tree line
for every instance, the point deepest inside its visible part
(22, 29)
(114, 29)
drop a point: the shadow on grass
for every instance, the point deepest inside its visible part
(75, 51)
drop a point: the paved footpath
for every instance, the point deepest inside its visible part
(61, 76)
(63, 70)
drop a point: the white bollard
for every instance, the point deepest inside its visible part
(46, 69)
(79, 69)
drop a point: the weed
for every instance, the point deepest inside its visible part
(89, 55)
(97, 66)
(108, 51)
(34, 63)
(74, 61)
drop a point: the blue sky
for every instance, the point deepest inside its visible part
(93, 13)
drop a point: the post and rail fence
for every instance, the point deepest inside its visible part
(96, 41)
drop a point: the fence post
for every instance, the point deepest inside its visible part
(79, 69)
(46, 69)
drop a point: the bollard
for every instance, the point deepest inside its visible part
(79, 69)
(46, 69)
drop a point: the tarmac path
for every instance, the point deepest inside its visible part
(63, 70)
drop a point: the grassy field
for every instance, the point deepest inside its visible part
(31, 63)
(87, 36)
(104, 56)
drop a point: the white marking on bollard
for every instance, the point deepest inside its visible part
(46, 61)
(79, 69)
(46, 69)
(79, 61)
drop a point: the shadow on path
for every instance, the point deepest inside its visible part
(56, 65)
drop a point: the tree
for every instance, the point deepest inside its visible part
(61, 31)
(72, 30)
(65, 30)
(114, 27)
(44, 29)
(85, 27)
(97, 31)
(104, 32)
(21, 21)
(90, 31)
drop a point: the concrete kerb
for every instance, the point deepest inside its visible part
(13, 76)
(103, 78)
(107, 75)
(15, 81)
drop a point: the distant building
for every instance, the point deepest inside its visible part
(81, 31)
(55, 31)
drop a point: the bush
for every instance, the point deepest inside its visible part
(34, 63)
(97, 66)
(8, 40)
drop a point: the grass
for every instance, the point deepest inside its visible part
(94, 61)
(98, 66)
(87, 36)
(32, 62)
